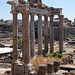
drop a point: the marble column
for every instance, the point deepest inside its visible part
(46, 34)
(25, 37)
(51, 34)
(61, 33)
(32, 37)
(39, 35)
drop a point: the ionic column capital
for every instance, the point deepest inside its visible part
(51, 16)
(32, 14)
(14, 12)
(61, 16)
(39, 15)
(45, 15)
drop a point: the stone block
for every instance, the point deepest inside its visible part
(65, 73)
(71, 61)
(56, 66)
(50, 68)
(33, 73)
(42, 70)
(64, 60)
(19, 69)
(72, 72)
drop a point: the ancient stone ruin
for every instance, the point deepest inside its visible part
(33, 7)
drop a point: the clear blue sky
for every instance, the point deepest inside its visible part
(67, 5)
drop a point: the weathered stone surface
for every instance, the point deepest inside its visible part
(51, 34)
(25, 37)
(53, 74)
(62, 72)
(67, 67)
(32, 37)
(72, 72)
(46, 34)
(56, 66)
(67, 59)
(39, 35)
(19, 70)
(60, 33)
(64, 60)
(15, 36)
(50, 68)
(33, 73)
(42, 70)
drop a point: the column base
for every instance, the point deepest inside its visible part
(23, 69)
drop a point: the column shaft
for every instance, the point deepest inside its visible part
(51, 34)
(60, 33)
(39, 35)
(15, 37)
(32, 37)
(25, 37)
(15, 42)
(46, 34)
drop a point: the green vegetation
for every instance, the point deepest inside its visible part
(20, 43)
(57, 54)
(72, 36)
(43, 53)
(4, 27)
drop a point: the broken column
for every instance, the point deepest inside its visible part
(42, 70)
(50, 68)
(56, 66)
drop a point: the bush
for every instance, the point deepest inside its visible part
(57, 54)
(72, 36)
(43, 53)
(20, 43)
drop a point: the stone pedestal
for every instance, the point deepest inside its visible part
(39, 35)
(21, 69)
(56, 66)
(64, 60)
(32, 37)
(60, 33)
(46, 34)
(51, 34)
(42, 70)
(12, 69)
(50, 68)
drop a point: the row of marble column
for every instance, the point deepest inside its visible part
(26, 36)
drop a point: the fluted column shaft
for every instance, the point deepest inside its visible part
(61, 33)
(51, 34)
(25, 37)
(46, 34)
(39, 35)
(32, 36)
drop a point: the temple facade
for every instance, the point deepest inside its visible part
(28, 49)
